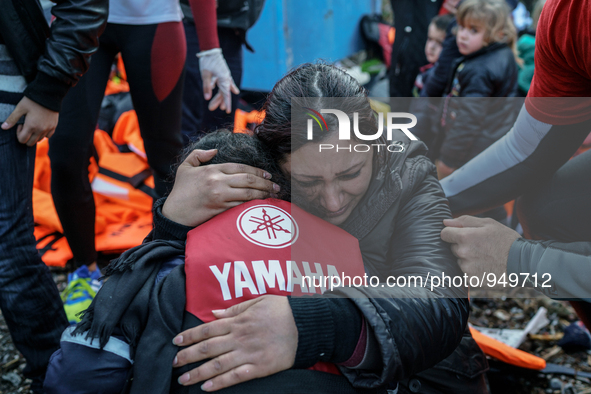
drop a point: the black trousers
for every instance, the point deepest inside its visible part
(154, 58)
(197, 118)
(411, 20)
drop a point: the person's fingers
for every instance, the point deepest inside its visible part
(216, 102)
(244, 195)
(252, 181)
(206, 76)
(235, 168)
(464, 266)
(25, 133)
(18, 112)
(471, 221)
(203, 350)
(227, 104)
(218, 366)
(198, 156)
(240, 374)
(455, 249)
(51, 133)
(204, 331)
(235, 310)
(214, 81)
(452, 235)
(19, 128)
(452, 223)
(37, 136)
(234, 88)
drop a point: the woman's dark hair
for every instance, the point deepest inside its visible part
(315, 86)
(242, 149)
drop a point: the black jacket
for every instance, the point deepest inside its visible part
(52, 60)
(480, 106)
(411, 19)
(449, 53)
(398, 223)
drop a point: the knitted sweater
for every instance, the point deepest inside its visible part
(12, 84)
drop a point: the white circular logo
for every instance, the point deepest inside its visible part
(268, 226)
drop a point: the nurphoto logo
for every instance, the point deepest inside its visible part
(344, 129)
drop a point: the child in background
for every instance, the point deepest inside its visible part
(424, 109)
(435, 37)
(488, 68)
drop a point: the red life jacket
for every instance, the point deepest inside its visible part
(265, 247)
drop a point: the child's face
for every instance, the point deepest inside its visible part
(470, 37)
(435, 38)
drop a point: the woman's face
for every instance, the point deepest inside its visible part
(331, 182)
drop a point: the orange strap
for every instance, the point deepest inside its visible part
(500, 351)
(242, 119)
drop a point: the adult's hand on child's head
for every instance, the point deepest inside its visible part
(250, 340)
(201, 192)
(40, 122)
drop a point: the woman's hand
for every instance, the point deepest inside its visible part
(200, 193)
(250, 340)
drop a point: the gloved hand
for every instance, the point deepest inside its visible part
(215, 71)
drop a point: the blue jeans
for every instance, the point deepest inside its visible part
(29, 299)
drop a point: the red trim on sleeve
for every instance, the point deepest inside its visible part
(359, 352)
(204, 13)
(562, 64)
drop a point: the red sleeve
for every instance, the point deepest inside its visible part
(562, 64)
(204, 13)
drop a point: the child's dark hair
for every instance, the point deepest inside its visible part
(241, 149)
(442, 22)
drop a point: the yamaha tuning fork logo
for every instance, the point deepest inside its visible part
(268, 226)
(344, 129)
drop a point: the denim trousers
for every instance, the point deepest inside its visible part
(29, 298)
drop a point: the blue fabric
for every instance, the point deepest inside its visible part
(29, 298)
(79, 369)
(169, 266)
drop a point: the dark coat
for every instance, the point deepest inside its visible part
(52, 61)
(398, 224)
(474, 116)
(411, 19)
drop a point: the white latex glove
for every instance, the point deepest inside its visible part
(215, 71)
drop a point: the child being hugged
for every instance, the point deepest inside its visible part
(486, 38)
